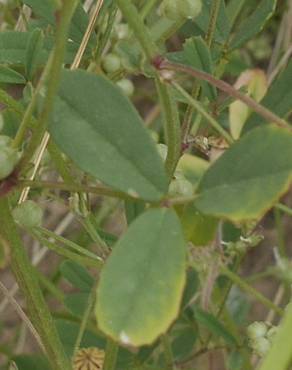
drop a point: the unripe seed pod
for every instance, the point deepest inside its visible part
(111, 63)
(181, 9)
(28, 214)
(8, 160)
(126, 86)
(122, 31)
(257, 330)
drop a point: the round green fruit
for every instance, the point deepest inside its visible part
(126, 86)
(28, 214)
(111, 63)
(8, 160)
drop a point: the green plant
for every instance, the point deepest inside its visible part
(160, 154)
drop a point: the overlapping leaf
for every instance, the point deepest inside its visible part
(249, 177)
(99, 129)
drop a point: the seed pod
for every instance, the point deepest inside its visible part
(257, 330)
(8, 160)
(28, 214)
(181, 9)
(111, 63)
(126, 86)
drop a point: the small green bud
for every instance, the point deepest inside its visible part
(111, 63)
(181, 187)
(261, 346)
(8, 160)
(122, 31)
(181, 9)
(126, 86)
(271, 333)
(28, 214)
(257, 330)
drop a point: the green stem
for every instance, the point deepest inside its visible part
(53, 83)
(249, 289)
(167, 352)
(12, 104)
(140, 30)
(85, 318)
(212, 22)
(228, 89)
(69, 244)
(60, 163)
(28, 283)
(172, 125)
(111, 354)
(74, 188)
(149, 4)
(284, 209)
(194, 103)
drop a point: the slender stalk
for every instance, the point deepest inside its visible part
(249, 289)
(172, 125)
(171, 128)
(111, 354)
(196, 87)
(85, 318)
(212, 22)
(28, 283)
(168, 355)
(224, 86)
(7, 100)
(74, 188)
(69, 244)
(284, 209)
(149, 4)
(54, 80)
(194, 103)
(141, 31)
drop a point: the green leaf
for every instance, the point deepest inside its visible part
(33, 52)
(42, 8)
(214, 325)
(29, 362)
(198, 228)
(68, 332)
(222, 29)
(196, 54)
(249, 177)
(254, 23)
(9, 76)
(77, 275)
(76, 302)
(142, 282)
(103, 134)
(13, 46)
(278, 99)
